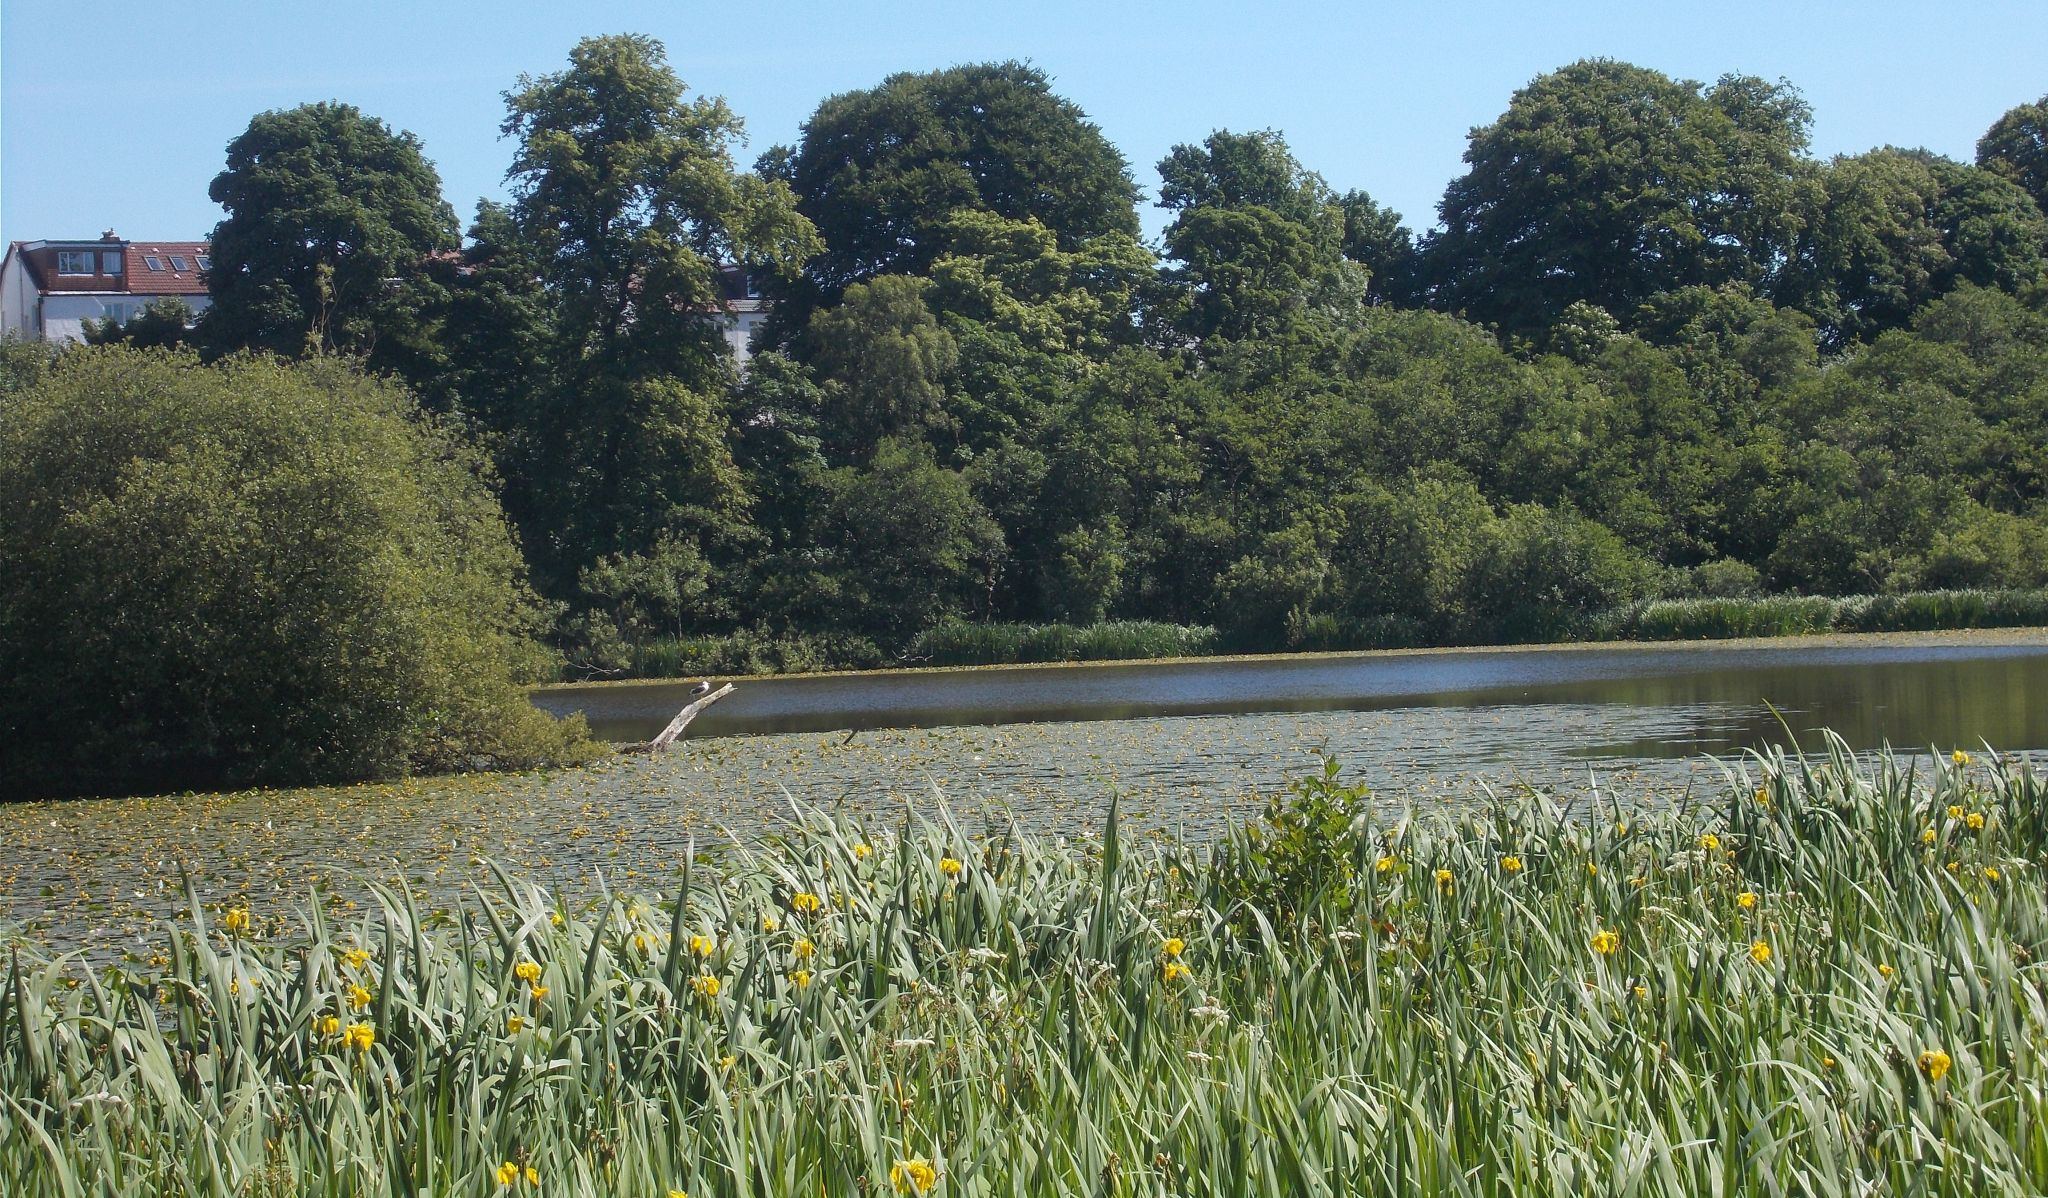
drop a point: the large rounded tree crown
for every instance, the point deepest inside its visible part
(325, 206)
(1606, 183)
(253, 573)
(2017, 147)
(880, 171)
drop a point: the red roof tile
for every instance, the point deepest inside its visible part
(144, 281)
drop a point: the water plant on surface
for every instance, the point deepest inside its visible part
(1826, 980)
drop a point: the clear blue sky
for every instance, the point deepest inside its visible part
(116, 114)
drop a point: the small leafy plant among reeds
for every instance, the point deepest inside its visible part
(1826, 979)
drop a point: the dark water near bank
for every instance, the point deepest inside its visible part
(1898, 691)
(1187, 748)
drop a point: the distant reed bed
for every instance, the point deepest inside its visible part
(1004, 644)
(1830, 977)
(1791, 615)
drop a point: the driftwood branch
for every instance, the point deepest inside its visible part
(668, 736)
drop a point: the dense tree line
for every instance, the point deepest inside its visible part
(1651, 346)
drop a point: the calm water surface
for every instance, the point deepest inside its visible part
(1909, 690)
(1189, 747)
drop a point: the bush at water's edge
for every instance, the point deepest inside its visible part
(252, 573)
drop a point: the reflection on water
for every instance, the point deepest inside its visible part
(1636, 722)
(1905, 691)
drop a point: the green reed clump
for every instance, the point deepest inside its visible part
(1005, 644)
(1827, 978)
(1722, 618)
(1792, 615)
(1927, 610)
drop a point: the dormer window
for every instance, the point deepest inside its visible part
(74, 262)
(153, 262)
(178, 262)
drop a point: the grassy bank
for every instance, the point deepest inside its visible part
(1828, 972)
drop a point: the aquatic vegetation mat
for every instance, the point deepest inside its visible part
(1825, 979)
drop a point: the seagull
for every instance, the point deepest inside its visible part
(702, 688)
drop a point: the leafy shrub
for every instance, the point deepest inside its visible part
(1542, 573)
(251, 574)
(1725, 578)
(1259, 594)
(1302, 853)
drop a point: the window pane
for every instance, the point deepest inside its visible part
(110, 263)
(154, 263)
(205, 262)
(74, 262)
(178, 262)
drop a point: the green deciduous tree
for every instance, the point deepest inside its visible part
(625, 202)
(1607, 183)
(331, 219)
(1245, 170)
(1403, 554)
(899, 544)
(497, 329)
(1031, 320)
(1899, 228)
(2016, 147)
(1375, 238)
(250, 573)
(884, 362)
(625, 188)
(1013, 277)
(881, 171)
(1259, 240)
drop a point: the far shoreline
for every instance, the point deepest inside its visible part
(1978, 637)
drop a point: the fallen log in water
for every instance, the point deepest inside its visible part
(668, 736)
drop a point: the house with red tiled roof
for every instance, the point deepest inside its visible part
(49, 289)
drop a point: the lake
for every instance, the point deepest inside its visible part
(1189, 745)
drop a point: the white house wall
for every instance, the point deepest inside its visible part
(739, 334)
(64, 316)
(17, 301)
